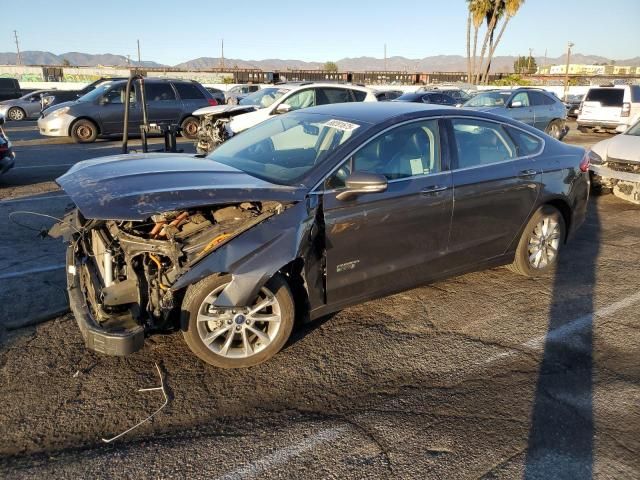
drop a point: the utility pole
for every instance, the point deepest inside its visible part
(222, 54)
(566, 73)
(138, 52)
(19, 57)
(529, 61)
(385, 57)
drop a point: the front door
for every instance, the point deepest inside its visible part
(162, 105)
(383, 242)
(520, 108)
(111, 107)
(496, 187)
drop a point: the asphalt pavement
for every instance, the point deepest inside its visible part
(487, 375)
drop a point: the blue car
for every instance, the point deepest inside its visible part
(535, 107)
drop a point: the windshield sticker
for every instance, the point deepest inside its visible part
(341, 125)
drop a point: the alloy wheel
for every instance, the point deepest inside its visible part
(544, 243)
(15, 114)
(239, 332)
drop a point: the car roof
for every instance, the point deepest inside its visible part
(300, 85)
(376, 112)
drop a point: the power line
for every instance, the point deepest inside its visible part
(19, 57)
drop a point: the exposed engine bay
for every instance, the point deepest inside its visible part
(621, 177)
(126, 268)
(214, 128)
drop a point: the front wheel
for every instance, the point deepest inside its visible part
(540, 243)
(84, 131)
(237, 337)
(190, 127)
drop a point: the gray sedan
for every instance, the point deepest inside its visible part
(23, 108)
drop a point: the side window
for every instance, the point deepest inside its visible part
(481, 143)
(116, 95)
(333, 95)
(302, 99)
(448, 100)
(539, 98)
(359, 95)
(406, 151)
(526, 144)
(189, 91)
(159, 92)
(521, 97)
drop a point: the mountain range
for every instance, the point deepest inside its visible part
(437, 63)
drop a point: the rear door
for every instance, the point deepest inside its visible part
(162, 103)
(603, 105)
(496, 185)
(387, 241)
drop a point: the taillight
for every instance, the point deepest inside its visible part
(586, 161)
(212, 102)
(626, 109)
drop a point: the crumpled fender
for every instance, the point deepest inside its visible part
(256, 255)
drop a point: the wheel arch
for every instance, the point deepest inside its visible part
(563, 207)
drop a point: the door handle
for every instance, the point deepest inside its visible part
(528, 173)
(434, 189)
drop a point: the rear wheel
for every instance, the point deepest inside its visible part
(190, 127)
(554, 129)
(540, 243)
(84, 131)
(16, 114)
(238, 337)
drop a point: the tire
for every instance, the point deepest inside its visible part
(525, 259)
(554, 129)
(235, 331)
(84, 131)
(16, 114)
(232, 101)
(190, 128)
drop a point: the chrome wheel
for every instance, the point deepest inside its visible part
(239, 332)
(554, 130)
(16, 114)
(544, 243)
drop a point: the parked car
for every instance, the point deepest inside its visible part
(615, 164)
(610, 108)
(427, 97)
(217, 124)
(458, 94)
(101, 111)
(238, 92)
(572, 104)
(217, 94)
(7, 156)
(55, 97)
(387, 95)
(26, 107)
(306, 214)
(9, 89)
(535, 107)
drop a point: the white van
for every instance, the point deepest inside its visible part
(610, 108)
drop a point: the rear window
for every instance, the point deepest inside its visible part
(188, 91)
(360, 95)
(608, 97)
(539, 98)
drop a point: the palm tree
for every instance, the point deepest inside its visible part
(477, 14)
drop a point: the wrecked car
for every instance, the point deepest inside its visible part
(615, 166)
(304, 215)
(219, 123)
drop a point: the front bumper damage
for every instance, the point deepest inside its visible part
(125, 279)
(622, 177)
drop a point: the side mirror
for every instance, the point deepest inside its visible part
(283, 108)
(517, 104)
(362, 182)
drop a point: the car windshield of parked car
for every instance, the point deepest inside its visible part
(489, 99)
(263, 98)
(283, 149)
(634, 130)
(96, 92)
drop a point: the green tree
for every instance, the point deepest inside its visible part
(330, 67)
(66, 62)
(525, 65)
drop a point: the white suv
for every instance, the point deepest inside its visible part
(221, 122)
(610, 108)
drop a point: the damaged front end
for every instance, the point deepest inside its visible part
(620, 176)
(121, 274)
(214, 128)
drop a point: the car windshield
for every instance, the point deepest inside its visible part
(489, 99)
(96, 92)
(284, 148)
(263, 98)
(634, 130)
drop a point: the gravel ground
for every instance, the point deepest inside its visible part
(487, 375)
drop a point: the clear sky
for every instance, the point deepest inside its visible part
(319, 30)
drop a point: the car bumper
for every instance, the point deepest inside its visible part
(6, 163)
(95, 337)
(600, 123)
(607, 172)
(57, 126)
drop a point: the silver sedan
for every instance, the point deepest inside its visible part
(23, 108)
